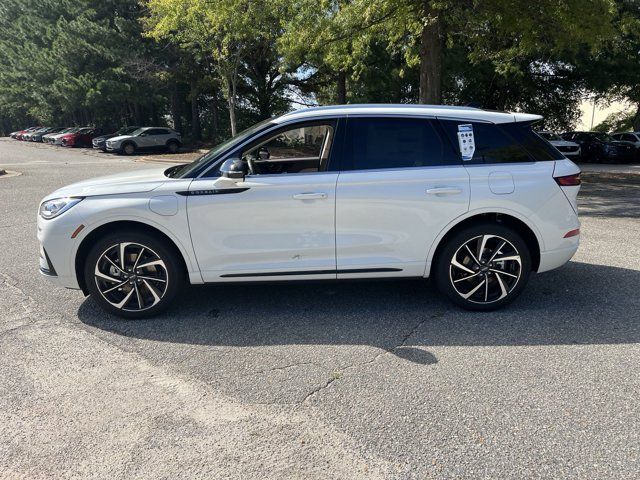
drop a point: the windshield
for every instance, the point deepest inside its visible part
(185, 170)
(603, 137)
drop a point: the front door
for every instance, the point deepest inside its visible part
(400, 185)
(278, 222)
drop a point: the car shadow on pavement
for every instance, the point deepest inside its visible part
(578, 304)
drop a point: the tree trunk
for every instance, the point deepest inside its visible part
(636, 120)
(175, 109)
(231, 101)
(431, 56)
(214, 117)
(341, 86)
(195, 112)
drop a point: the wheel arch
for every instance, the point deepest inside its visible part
(529, 235)
(110, 227)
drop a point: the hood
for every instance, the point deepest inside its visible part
(105, 137)
(120, 137)
(120, 183)
(622, 143)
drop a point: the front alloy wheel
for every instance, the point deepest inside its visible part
(133, 275)
(483, 267)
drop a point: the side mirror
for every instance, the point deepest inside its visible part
(233, 168)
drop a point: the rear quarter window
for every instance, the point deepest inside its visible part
(504, 143)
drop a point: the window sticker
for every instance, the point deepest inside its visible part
(466, 141)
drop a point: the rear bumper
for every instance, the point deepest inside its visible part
(553, 259)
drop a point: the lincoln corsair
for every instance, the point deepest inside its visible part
(472, 199)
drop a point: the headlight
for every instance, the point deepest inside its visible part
(57, 206)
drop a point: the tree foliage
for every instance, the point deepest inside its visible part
(210, 68)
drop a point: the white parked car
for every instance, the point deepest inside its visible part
(568, 149)
(147, 138)
(326, 193)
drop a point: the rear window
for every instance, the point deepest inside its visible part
(504, 143)
(392, 142)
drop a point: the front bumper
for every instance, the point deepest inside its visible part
(58, 249)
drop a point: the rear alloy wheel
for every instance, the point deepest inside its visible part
(133, 275)
(172, 147)
(484, 267)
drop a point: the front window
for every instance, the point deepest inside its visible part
(301, 149)
(187, 170)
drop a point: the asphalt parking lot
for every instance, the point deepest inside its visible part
(344, 380)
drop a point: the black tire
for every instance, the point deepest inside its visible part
(458, 281)
(173, 146)
(148, 295)
(128, 148)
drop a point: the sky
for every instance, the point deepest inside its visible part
(601, 113)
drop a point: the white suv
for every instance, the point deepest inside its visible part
(473, 199)
(147, 138)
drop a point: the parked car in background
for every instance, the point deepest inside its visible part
(37, 136)
(101, 141)
(601, 147)
(57, 139)
(633, 137)
(147, 138)
(18, 135)
(567, 148)
(330, 193)
(26, 136)
(52, 137)
(81, 138)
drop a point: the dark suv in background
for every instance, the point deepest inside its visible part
(601, 147)
(101, 141)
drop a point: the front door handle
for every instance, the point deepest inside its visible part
(444, 191)
(310, 196)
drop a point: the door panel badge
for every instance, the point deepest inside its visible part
(466, 141)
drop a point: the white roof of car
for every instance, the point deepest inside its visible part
(433, 111)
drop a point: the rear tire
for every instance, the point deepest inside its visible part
(469, 269)
(139, 284)
(173, 147)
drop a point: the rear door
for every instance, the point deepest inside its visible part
(400, 185)
(511, 169)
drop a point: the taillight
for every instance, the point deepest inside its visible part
(572, 233)
(568, 180)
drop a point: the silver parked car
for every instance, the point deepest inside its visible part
(147, 138)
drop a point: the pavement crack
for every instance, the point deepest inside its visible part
(286, 367)
(321, 387)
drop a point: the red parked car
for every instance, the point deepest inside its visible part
(18, 135)
(81, 138)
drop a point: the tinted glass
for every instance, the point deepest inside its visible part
(537, 147)
(388, 142)
(493, 144)
(300, 142)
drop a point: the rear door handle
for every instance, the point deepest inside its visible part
(310, 196)
(444, 191)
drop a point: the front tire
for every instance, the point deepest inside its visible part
(133, 275)
(483, 267)
(128, 149)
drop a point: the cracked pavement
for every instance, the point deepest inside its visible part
(335, 380)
